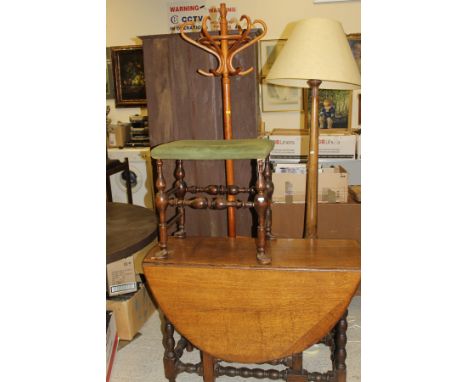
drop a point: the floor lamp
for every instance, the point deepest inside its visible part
(317, 54)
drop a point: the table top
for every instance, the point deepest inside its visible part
(216, 294)
(129, 229)
(292, 254)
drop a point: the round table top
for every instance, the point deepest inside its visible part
(129, 229)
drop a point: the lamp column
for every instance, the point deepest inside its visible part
(310, 219)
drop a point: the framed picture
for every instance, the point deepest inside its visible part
(354, 40)
(356, 113)
(275, 97)
(335, 110)
(129, 75)
(109, 76)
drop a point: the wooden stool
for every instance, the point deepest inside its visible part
(234, 309)
(235, 149)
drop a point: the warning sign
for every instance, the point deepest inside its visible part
(182, 11)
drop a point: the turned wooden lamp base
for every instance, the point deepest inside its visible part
(310, 218)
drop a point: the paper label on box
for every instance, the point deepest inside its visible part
(127, 287)
(290, 168)
(112, 139)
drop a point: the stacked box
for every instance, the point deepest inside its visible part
(131, 311)
(290, 184)
(112, 340)
(292, 146)
(121, 277)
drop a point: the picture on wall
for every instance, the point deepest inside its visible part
(129, 76)
(356, 113)
(275, 97)
(354, 40)
(335, 110)
(109, 76)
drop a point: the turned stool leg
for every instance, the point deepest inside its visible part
(180, 194)
(269, 189)
(161, 206)
(339, 356)
(261, 204)
(169, 354)
(208, 368)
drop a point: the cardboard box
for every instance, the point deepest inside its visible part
(121, 277)
(131, 312)
(352, 166)
(117, 135)
(292, 146)
(334, 220)
(337, 146)
(332, 185)
(112, 340)
(290, 184)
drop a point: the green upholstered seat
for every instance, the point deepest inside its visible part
(214, 149)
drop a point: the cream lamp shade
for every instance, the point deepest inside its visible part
(317, 49)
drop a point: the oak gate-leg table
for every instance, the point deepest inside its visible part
(221, 300)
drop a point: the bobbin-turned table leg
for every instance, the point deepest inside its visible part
(170, 358)
(339, 353)
(180, 194)
(261, 205)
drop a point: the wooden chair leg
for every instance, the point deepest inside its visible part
(161, 206)
(269, 189)
(180, 194)
(208, 368)
(339, 356)
(261, 204)
(169, 354)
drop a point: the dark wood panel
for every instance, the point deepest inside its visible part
(183, 104)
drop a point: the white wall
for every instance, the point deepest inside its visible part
(128, 19)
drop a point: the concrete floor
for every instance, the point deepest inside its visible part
(141, 359)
